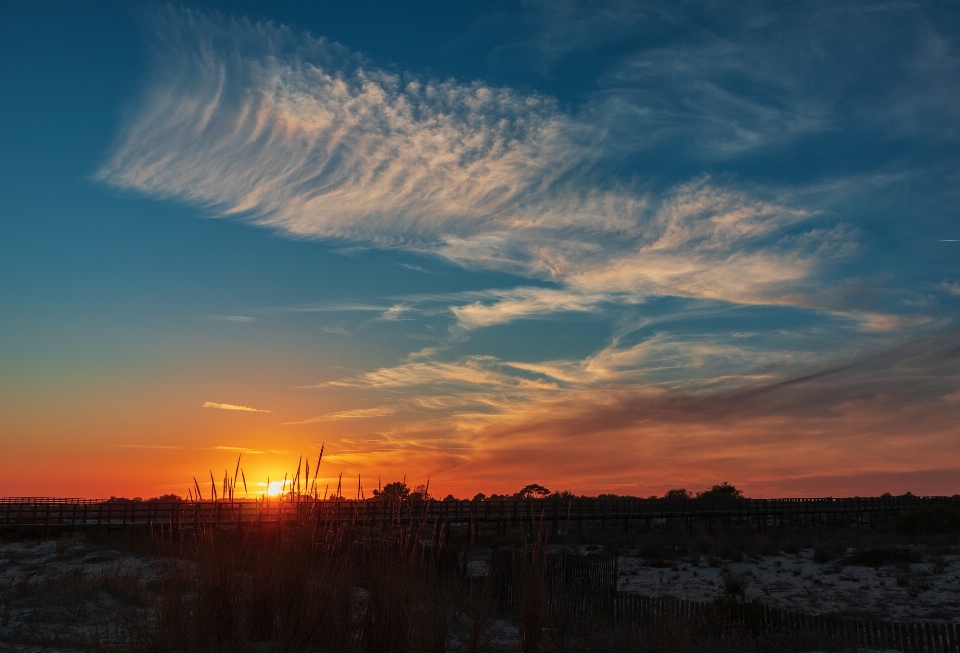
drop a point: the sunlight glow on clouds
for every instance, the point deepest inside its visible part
(356, 413)
(210, 404)
(309, 139)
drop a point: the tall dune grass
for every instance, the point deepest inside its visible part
(394, 587)
(306, 588)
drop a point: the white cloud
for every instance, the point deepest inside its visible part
(476, 389)
(523, 302)
(231, 318)
(889, 322)
(210, 404)
(470, 371)
(302, 136)
(952, 288)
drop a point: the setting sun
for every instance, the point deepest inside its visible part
(275, 488)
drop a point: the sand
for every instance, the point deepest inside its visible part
(61, 595)
(927, 591)
(920, 591)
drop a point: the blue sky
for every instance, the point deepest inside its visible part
(601, 246)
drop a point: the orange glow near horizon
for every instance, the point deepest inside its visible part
(275, 489)
(864, 450)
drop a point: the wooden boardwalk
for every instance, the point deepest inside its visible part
(584, 586)
(63, 514)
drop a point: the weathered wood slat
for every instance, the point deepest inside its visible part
(24, 510)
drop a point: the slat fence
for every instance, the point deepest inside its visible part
(49, 512)
(591, 595)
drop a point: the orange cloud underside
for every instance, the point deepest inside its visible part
(863, 449)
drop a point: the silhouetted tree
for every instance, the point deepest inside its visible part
(397, 492)
(678, 493)
(479, 496)
(166, 498)
(723, 491)
(420, 494)
(533, 491)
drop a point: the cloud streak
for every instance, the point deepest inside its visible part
(231, 318)
(897, 407)
(211, 404)
(303, 136)
(237, 449)
(356, 413)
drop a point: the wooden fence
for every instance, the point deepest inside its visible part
(917, 637)
(583, 587)
(73, 514)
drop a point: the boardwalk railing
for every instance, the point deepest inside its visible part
(67, 514)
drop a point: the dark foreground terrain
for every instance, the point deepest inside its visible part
(316, 587)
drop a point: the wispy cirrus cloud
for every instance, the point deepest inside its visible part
(356, 413)
(303, 136)
(231, 318)
(522, 302)
(211, 404)
(470, 371)
(896, 406)
(952, 288)
(224, 447)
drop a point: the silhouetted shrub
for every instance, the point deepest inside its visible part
(678, 493)
(735, 583)
(397, 492)
(928, 520)
(880, 557)
(166, 498)
(823, 554)
(533, 491)
(723, 491)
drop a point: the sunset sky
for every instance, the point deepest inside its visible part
(605, 247)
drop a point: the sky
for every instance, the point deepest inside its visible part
(601, 246)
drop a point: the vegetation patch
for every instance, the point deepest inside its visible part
(881, 556)
(934, 520)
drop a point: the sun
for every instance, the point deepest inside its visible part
(275, 488)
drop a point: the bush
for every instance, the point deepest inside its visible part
(735, 583)
(397, 492)
(881, 557)
(928, 520)
(723, 491)
(533, 491)
(678, 493)
(823, 554)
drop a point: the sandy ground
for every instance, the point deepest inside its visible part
(63, 595)
(902, 592)
(920, 591)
